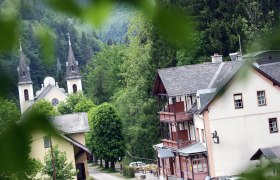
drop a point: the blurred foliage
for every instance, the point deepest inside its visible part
(147, 47)
(264, 172)
(64, 168)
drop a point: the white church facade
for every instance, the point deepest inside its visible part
(71, 126)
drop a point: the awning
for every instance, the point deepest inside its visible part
(165, 153)
(198, 147)
(271, 153)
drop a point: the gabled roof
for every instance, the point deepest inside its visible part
(72, 123)
(271, 69)
(42, 93)
(272, 153)
(228, 79)
(187, 79)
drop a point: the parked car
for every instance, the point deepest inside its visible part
(137, 164)
(220, 178)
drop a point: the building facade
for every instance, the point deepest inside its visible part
(215, 116)
(71, 127)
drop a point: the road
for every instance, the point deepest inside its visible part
(99, 175)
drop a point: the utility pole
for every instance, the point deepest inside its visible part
(54, 170)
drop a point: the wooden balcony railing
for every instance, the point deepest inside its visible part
(175, 117)
(175, 144)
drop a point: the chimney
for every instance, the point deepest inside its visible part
(217, 58)
(235, 56)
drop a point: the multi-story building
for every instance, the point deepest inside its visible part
(203, 133)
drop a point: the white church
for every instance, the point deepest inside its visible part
(71, 126)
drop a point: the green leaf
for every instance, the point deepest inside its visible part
(66, 6)
(97, 12)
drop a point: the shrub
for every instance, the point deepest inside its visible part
(128, 172)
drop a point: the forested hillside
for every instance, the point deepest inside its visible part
(124, 73)
(122, 68)
(34, 14)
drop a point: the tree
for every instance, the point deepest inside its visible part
(76, 102)
(64, 169)
(103, 74)
(107, 134)
(84, 105)
(9, 114)
(44, 107)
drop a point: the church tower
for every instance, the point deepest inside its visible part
(73, 78)
(25, 85)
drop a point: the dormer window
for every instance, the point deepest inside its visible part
(72, 68)
(23, 73)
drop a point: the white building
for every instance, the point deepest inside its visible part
(235, 111)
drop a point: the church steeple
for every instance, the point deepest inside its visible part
(72, 70)
(73, 77)
(25, 85)
(23, 69)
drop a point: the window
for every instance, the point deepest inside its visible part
(26, 95)
(197, 134)
(173, 100)
(202, 136)
(261, 98)
(47, 141)
(72, 68)
(23, 73)
(199, 165)
(55, 101)
(238, 103)
(273, 125)
(74, 88)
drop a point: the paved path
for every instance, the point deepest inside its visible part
(99, 175)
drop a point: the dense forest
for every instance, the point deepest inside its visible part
(119, 61)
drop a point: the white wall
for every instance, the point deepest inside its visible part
(243, 131)
(200, 125)
(24, 105)
(70, 83)
(55, 93)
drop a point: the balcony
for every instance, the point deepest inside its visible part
(175, 144)
(175, 113)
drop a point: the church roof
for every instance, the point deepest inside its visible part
(23, 70)
(72, 70)
(72, 123)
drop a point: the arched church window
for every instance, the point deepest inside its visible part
(74, 88)
(23, 73)
(26, 95)
(72, 68)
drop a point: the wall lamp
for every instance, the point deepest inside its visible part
(215, 137)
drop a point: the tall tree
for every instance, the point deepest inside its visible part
(107, 134)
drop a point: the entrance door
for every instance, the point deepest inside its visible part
(171, 163)
(81, 167)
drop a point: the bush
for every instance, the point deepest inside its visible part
(128, 171)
